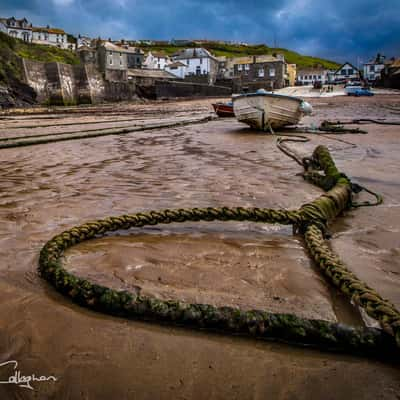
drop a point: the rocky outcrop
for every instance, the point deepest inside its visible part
(16, 94)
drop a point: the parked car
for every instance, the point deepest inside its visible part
(358, 91)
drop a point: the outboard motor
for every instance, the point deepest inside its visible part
(306, 108)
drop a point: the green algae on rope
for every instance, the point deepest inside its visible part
(311, 220)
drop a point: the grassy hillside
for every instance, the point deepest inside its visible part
(231, 50)
(10, 67)
(14, 92)
(11, 49)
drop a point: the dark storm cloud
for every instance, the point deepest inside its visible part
(338, 29)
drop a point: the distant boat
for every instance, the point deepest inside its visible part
(224, 109)
(267, 111)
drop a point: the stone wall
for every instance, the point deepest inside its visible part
(96, 83)
(36, 78)
(63, 84)
(120, 91)
(174, 89)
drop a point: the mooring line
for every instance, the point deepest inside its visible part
(311, 220)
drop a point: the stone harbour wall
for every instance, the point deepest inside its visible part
(172, 89)
(62, 84)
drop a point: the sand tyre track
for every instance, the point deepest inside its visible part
(310, 220)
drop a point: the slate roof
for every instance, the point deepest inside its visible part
(346, 63)
(150, 73)
(198, 52)
(176, 64)
(48, 30)
(7, 21)
(121, 49)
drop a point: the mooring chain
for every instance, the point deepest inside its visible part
(311, 220)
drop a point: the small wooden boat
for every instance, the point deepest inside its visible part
(224, 109)
(267, 111)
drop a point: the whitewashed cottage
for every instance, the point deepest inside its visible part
(199, 61)
(156, 60)
(347, 72)
(52, 37)
(372, 69)
(177, 68)
(17, 28)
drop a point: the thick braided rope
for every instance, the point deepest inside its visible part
(375, 306)
(311, 219)
(257, 323)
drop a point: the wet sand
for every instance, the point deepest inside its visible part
(51, 187)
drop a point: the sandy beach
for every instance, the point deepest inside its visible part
(51, 187)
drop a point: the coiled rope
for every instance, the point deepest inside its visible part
(311, 220)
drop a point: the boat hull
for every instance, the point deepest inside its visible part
(223, 110)
(265, 111)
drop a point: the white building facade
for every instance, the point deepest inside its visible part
(51, 37)
(83, 41)
(156, 60)
(198, 61)
(23, 29)
(347, 72)
(177, 68)
(17, 28)
(372, 70)
(310, 76)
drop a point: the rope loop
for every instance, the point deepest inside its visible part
(311, 220)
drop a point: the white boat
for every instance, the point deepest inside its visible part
(268, 111)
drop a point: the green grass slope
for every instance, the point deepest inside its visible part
(13, 91)
(231, 50)
(12, 49)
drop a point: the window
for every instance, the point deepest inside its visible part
(246, 67)
(187, 62)
(272, 72)
(351, 71)
(201, 61)
(111, 60)
(239, 67)
(319, 77)
(158, 66)
(120, 54)
(198, 70)
(110, 52)
(261, 73)
(372, 68)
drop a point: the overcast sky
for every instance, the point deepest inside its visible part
(334, 29)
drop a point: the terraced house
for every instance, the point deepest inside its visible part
(17, 28)
(200, 63)
(260, 72)
(24, 30)
(116, 61)
(52, 37)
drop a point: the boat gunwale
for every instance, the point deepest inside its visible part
(241, 96)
